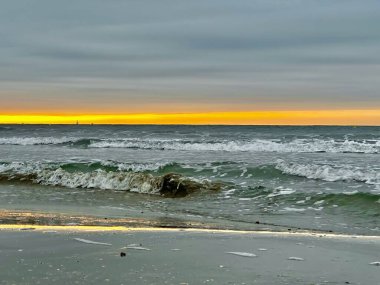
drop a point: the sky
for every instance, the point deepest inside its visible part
(243, 61)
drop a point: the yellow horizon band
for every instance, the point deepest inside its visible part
(307, 117)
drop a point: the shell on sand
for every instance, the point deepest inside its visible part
(244, 254)
(296, 258)
(92, 242)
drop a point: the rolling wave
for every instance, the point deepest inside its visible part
(176, 180)
(298, 145)
(224, 169)
(257, 145)
(84, 176)
(329, 173)
(36, 140)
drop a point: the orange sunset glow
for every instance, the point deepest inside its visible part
(314, 117)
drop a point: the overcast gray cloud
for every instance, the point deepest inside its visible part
(260, 54)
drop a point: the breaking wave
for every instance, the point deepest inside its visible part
(299, 145)
(35, 140)
(258, 145)
(330, 173)
(171, 185)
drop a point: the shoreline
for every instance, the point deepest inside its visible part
(40, 221)
(123, 229)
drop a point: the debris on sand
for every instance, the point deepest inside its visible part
(91, 242)
(296, 258)
(135, 244)
(244, 254)
(376, 263)
(136, 247)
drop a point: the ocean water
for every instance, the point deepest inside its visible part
(310, 178)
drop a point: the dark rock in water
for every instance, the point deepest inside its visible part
(122, 254)
(260, 187)
(257, 222)
(175, 185)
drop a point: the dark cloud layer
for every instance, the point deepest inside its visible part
(263, 54)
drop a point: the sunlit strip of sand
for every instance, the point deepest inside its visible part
(77, 228)
(305, 117)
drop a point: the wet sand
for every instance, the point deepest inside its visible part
(68, 255)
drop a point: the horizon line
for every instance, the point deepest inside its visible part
(195, 125)
(291, 118)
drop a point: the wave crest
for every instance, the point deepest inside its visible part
(169, 185)
(257, 145)
(298, 145)
(329, 173)
(35, 140)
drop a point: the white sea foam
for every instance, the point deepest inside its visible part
(137, 167)
(35, 140)
(329, 173)
(297, 145)
(290, 209)
(57, 174)
(100, 179)
(256, 145)
(19, 168)
(281, 191)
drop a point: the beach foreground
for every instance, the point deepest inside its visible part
(67, 255)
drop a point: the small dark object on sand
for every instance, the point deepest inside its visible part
(257, 222)
(122, 254)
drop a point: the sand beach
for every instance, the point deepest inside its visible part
(95, 255)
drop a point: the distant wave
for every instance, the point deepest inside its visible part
(298, 145)
(258, 145)
(329, 173)
(35, 140)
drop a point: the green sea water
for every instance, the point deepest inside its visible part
(312, 178)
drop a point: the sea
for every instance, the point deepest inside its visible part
(304, 178)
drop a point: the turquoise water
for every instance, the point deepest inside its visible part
(322, 178)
